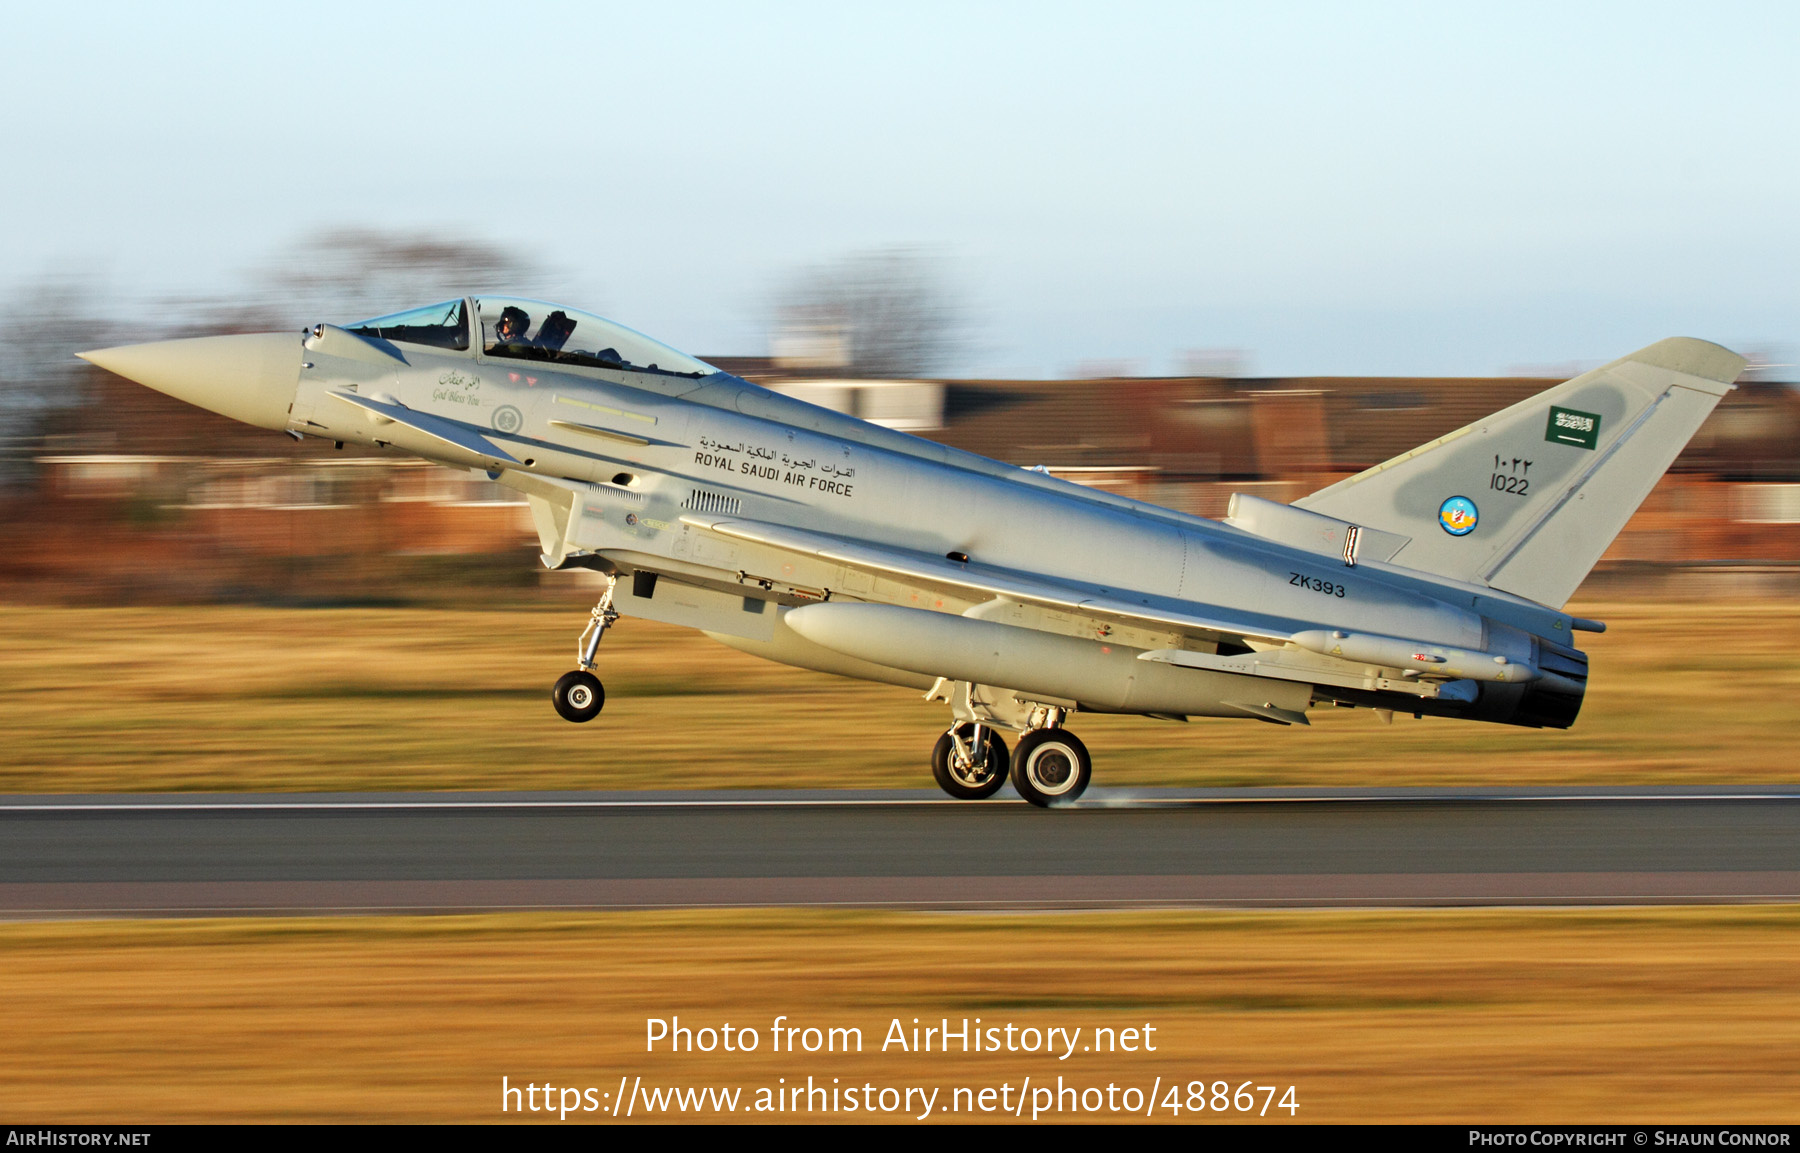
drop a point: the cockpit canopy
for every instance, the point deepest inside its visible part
(535, 330)
(514, 328)
(438, 325)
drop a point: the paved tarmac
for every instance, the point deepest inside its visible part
(176, 854)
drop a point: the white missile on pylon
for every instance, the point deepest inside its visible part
(1415, 657)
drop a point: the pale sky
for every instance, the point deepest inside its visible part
(1335, 188)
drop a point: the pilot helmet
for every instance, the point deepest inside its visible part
(513, 322)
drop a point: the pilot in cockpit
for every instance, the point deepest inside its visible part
(510, 329)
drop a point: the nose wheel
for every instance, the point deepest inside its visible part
(579, 696)
(969, 762)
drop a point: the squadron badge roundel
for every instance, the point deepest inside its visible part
(1458, 515)
(507, 419)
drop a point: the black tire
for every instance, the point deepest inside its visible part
(578, 696)
(963, 783)
(1051, 767)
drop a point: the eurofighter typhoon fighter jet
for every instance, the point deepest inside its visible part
(1431, 584)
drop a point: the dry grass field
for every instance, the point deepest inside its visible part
(1498, 1016)
(1514, 1016)
(292, 699)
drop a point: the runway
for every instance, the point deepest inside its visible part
(177, 854)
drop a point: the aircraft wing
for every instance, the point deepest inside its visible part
(925, 568)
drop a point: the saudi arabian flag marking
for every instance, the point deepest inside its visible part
(1569, 426)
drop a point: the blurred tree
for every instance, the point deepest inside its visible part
(356, 273)
(45, 324)
(888, 313)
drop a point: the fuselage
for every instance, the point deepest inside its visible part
(642, 456)
(702, 452)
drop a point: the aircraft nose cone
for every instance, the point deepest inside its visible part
(251, 378)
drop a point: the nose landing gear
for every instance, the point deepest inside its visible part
(579, 696)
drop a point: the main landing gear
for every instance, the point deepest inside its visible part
(579, 696)
(969, 761)
(1050, 766)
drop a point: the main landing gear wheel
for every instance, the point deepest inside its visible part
(578, 696)
(1051, 767)
(965, 770)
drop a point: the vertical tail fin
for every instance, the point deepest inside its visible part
(1527, 499)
